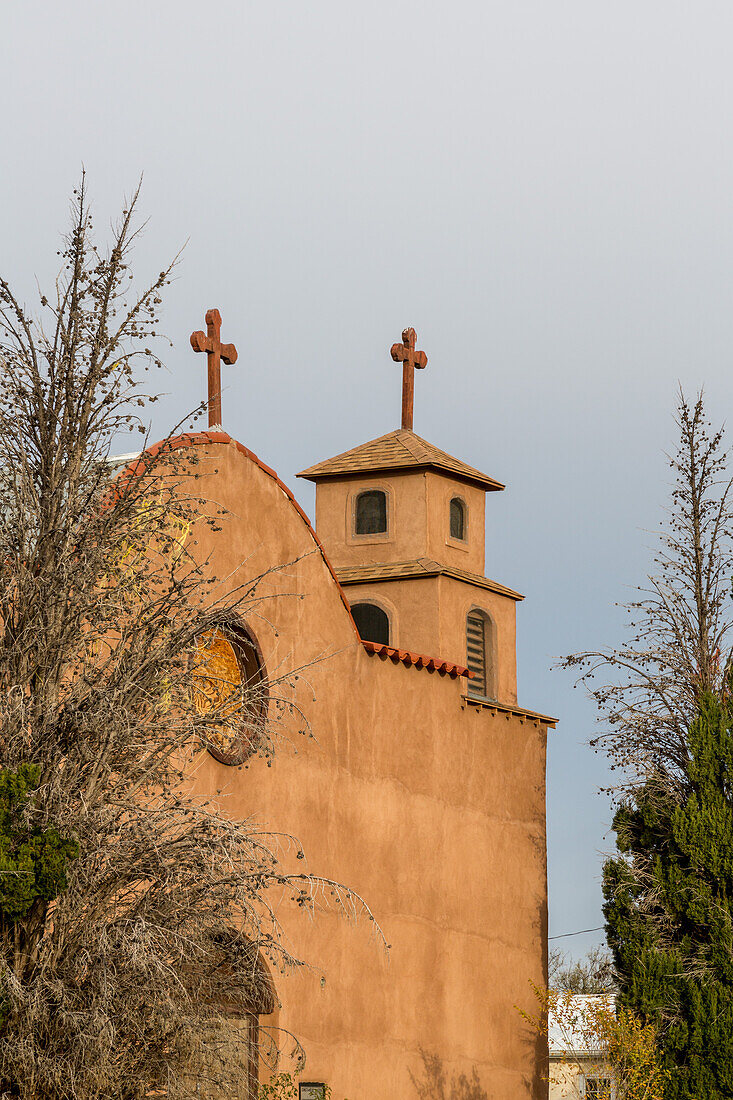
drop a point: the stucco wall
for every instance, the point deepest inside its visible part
(467, 554)
(433, 811)
(418, 520)
(428, 615)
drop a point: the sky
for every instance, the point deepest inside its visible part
(542, 189)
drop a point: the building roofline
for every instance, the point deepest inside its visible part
(401, 451)
(199, 439)
(419, 569)
(510, 711)
(416, 660)
(488, 484)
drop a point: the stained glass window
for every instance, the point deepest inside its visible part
(228, 688)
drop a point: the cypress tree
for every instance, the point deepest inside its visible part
(669, 909)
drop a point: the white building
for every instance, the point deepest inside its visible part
(578, 1065)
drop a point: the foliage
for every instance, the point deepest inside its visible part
(592, 974)
(434, 1085)
(668, 892)
(283, 1086)
(681, 622)
(669, 909)
(601, 1040)
(130, 967)
(33, 861)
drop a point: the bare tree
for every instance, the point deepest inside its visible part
(680, 623)
(591, 974)
(133, 916)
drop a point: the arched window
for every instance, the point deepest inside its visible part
(240, 985)
(479, 656)
(371, 513)
(457, 519)
(229, 692)
(371, 622)
(261, 1004)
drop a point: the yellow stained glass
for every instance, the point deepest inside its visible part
(217, 677)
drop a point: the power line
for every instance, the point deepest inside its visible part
(582, 932)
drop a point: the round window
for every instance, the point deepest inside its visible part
(229, 693)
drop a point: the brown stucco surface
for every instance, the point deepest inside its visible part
(417, 505)
(432, 809)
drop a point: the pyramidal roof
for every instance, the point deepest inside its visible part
(400, 450)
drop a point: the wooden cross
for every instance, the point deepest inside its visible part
(216, 351)
(405, 353)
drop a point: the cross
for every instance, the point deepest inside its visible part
(216, 351)
(405, 353)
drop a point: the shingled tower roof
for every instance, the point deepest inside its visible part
(400, 450)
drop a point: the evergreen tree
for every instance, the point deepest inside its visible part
(33, 860)
(669, 909)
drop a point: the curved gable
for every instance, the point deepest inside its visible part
(203, 439)
(220, 438)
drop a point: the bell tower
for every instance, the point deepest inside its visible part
(403, 524)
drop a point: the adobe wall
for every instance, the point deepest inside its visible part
(456, 599)
(406, 518)
(414, 614)
(469, 553)
(418, 520)
(433, 811)
(428, 615)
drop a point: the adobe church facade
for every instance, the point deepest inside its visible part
(423, 787)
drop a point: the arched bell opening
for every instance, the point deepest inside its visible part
(372, 622)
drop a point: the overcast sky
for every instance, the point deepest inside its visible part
(542, 189)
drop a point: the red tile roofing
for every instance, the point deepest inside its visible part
(416, 660)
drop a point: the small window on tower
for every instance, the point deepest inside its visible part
(371, 622)
(457, 519)
(371, 513)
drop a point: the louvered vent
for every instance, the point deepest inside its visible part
(476, 647)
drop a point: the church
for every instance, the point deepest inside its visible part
(422, 787)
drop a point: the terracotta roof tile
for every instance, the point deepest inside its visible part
(416, 660)
(416, 568)
(400, 450)
(494, 707)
